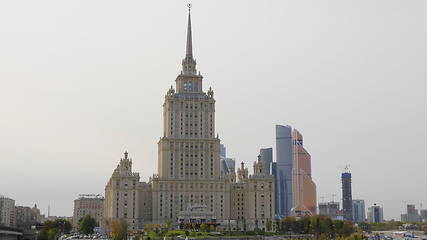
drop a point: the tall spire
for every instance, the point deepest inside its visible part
(188, 63)
(189, 49)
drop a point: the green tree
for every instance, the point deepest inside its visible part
(365, 227)
(52, 228)
(347, 229)
(204, 227)
(288, 224)
(168, 225)
(51, 234)
(87, 224)
(269, 225)
(42, 234)
(119, 230)
(62, 225)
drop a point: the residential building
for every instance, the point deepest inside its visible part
(7, 212)
(411, 214)
(358, 211)
(25, 217)
(347, 200)
(92, 204)
(423, 214)
(375, 214)
(329, 209)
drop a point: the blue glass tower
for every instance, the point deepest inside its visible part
(284, 165)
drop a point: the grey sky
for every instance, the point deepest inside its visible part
(83, 81)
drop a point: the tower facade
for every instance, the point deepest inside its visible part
(347, 200)
(189, 152)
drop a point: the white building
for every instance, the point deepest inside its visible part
(7, 212)
(375, 214)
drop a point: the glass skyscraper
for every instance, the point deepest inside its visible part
(284, 159)
(266, 158)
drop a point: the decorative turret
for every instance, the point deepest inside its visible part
(259, 168)
(242, 173)
(125, 166)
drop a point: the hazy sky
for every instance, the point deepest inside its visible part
(83, 81)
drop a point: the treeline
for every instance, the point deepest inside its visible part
(51, 229)
(320, 227)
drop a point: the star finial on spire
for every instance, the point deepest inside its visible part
(188, 63)
(189, 50)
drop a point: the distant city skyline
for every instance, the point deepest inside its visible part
(83, 82)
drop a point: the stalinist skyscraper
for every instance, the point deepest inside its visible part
(189, 154)
(189, 185)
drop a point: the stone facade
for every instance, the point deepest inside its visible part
(88, 204)
(25, 217)
(189, 168)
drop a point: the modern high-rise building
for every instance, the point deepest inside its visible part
(189, 183)
(228, 165)
(330, 209)
(91, 204)
(423, 214)
(411, 214)
(375, 214)
(358, 211)
(266, 158)
(222, 151)
(284, 167)
(295, 188)
(347, 200)
(304, 188)
(7, 212)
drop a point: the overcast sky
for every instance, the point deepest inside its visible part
(83, 81)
